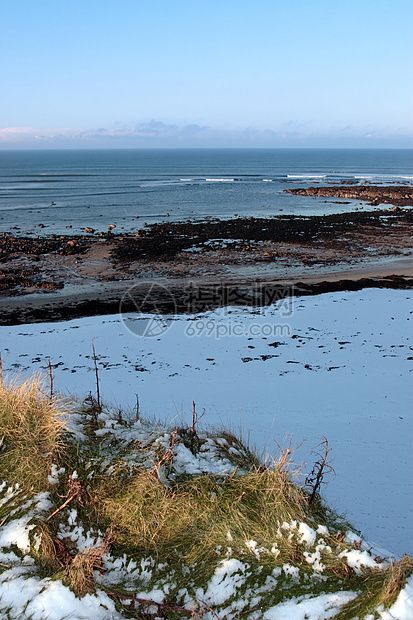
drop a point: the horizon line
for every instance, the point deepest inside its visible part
(210, 148)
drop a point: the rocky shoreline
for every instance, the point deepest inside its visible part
(68, 276)
(397, 195)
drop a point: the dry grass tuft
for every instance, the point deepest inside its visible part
(44, 548)
(50, 552)
(395, 580)
(236, 449)
(194, 518)
(249, 507)
(143, 510)
(78, 575)
(380, 587)
(31, 426)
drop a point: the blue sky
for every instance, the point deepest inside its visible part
(190, 73)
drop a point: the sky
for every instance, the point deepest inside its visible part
(222, 73)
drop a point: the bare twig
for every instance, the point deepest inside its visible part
(142, 601)
(233, 473)
(97, 375)
(207, 607)
(137, 408)
(321, 467)
(63, 556)
(62, 506)
(4, 520)
(92, 409)
(285, 461)
(75, 491)
(5, 565)
(195, 420)
(166, 457)
(51, 377)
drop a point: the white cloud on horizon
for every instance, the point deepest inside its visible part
(159, 134)
(14, 135)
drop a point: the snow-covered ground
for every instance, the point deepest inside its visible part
(336, 365)
(235, 585)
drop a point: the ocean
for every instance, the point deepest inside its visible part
(62, 191)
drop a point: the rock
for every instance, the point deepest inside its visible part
(89, 230)
(399, 195)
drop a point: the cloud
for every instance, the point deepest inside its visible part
(10, 134)
(22, 135)
(153, 129)
(157, 134)
(14, 130)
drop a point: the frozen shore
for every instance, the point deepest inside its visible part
(337, 364)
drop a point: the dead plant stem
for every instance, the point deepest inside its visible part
(51, 378)
(97, 374)
(62, 506)
(4, 520)
(150, 603)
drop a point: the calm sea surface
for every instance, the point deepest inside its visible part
(68, 190)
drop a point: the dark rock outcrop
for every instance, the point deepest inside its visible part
(397, 195)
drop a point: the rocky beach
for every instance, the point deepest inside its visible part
(400, 195)
(66, 276)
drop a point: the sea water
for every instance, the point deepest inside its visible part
(62, 191)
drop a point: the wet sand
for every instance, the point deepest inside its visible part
(63, 277)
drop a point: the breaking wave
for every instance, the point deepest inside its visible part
(306, 176)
